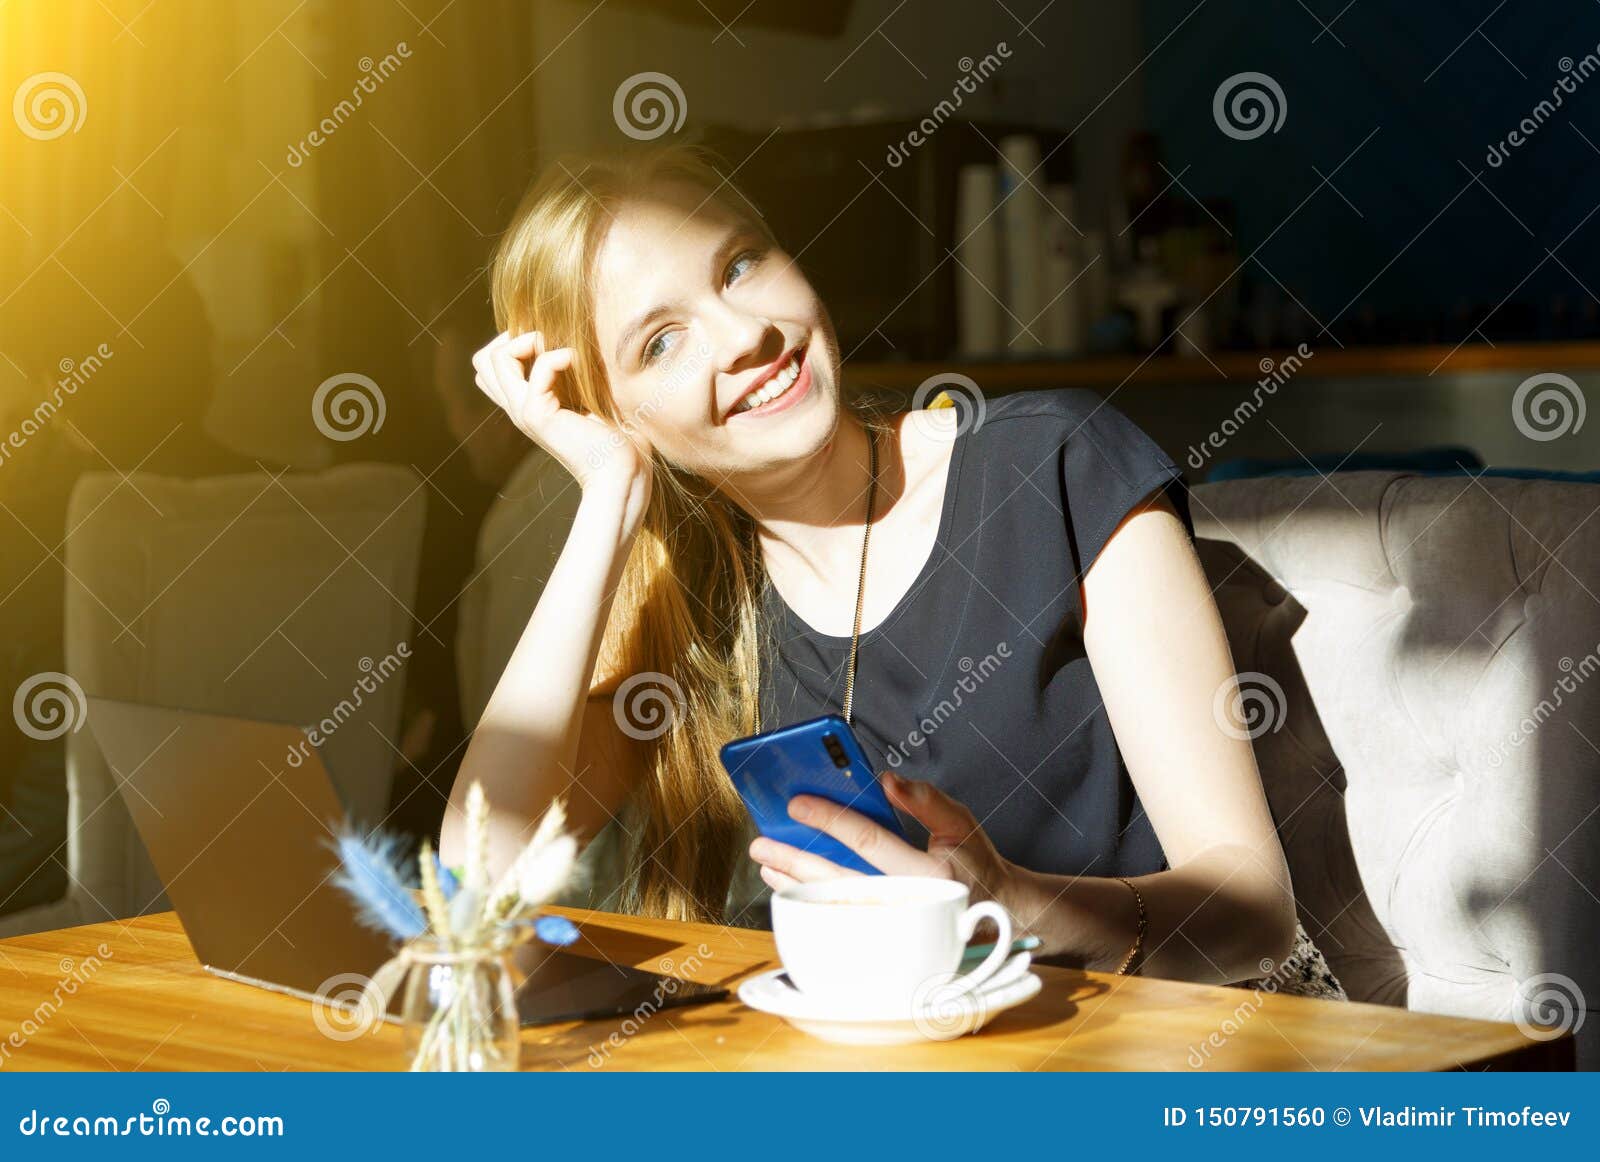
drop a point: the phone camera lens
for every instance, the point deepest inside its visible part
(835, 751)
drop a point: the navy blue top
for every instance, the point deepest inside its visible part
(978, 681)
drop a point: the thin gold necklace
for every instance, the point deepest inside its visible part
(861, 589)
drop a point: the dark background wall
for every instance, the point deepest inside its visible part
(1377, 190)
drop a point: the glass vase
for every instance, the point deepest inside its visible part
(460, 1010)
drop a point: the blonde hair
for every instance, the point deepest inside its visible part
(688, 605)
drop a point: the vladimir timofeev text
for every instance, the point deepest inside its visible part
(1473, 1116)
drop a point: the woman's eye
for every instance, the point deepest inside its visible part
(657, 347)
(750, 257)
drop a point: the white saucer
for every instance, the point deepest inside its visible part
(945, 1020)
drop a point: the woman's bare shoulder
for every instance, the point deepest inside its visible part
(926, 439)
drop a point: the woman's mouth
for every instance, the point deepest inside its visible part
(783, 390)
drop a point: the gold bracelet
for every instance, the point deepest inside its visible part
(1138, 939)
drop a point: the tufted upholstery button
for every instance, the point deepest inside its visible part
(1445, 706)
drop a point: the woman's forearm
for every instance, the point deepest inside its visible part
(525, 747)
(1215, 919)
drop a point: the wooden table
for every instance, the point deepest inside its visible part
(130, 995)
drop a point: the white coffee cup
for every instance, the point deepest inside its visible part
(883, 943)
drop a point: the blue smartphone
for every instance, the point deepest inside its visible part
(817, 757)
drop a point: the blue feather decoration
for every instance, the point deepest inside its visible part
(448, 884)
(556, 930)
(370, 873)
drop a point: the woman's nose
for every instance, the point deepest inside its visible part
(744, 340)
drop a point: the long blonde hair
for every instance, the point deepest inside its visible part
(688, 606)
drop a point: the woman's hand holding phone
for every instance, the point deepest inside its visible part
(958, 848)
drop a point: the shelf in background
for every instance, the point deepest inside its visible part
(1236, 366)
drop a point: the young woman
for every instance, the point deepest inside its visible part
(1007, 607)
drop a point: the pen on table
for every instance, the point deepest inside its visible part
(977, 952)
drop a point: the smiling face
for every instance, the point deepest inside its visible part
(716, 348)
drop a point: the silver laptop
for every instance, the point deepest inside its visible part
(244, 844)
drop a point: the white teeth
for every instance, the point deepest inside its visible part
(775, 387)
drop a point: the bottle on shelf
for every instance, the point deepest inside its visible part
(1063, 274)
(1022, 226)
(978, 270)
(1149, 293)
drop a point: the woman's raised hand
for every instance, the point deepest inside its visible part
(518, 374)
